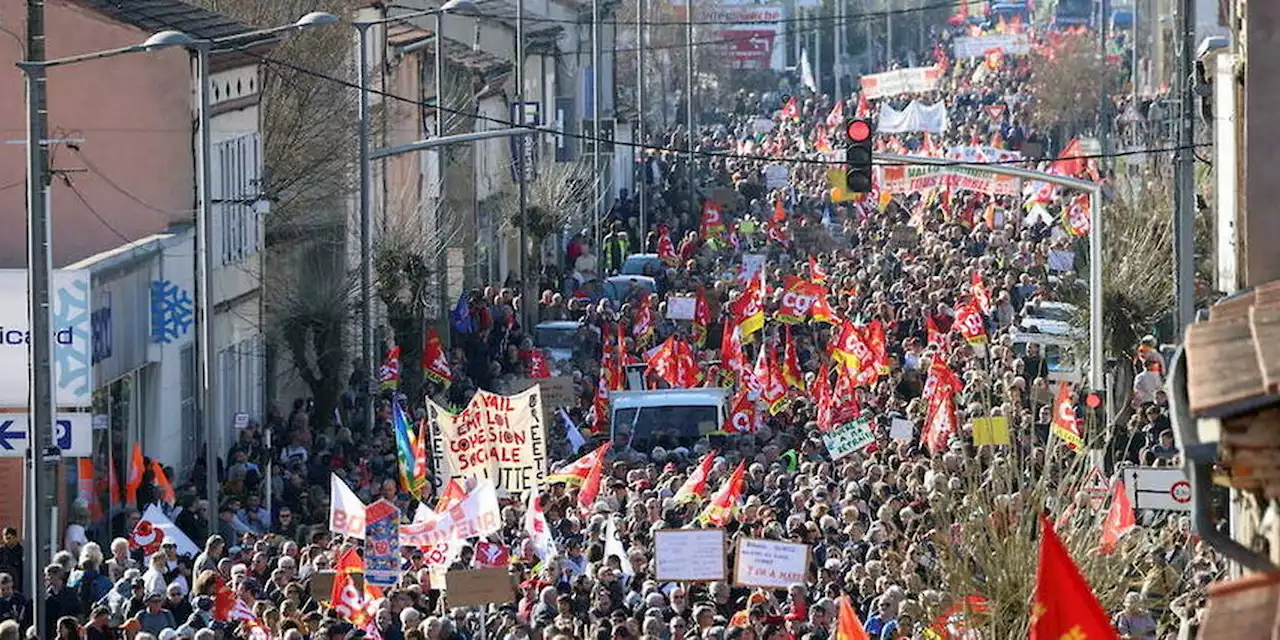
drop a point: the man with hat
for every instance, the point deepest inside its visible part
(155, 618)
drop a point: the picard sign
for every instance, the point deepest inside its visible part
(498, 438)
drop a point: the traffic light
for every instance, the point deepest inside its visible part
(857, 156)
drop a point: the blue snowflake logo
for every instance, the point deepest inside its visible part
(172, 312)
(72, 353)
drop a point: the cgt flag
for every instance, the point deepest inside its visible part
(1064, 605)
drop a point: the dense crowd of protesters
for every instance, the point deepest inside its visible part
(872, 518)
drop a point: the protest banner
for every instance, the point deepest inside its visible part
(852, 437)
(497, 438)
(979, 46)
(476, 587)
(689, 555)
(899, 81)
(910, 179)
(770, 564)
(475, 515)
(382, 544)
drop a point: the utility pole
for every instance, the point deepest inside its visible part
(597, 179)
(367, 362)
(640, 151)
(1105, 117)
(688, 90)
(1184, 176)
(527, 296)
(204, 290)
(837, 50)
(40, 495)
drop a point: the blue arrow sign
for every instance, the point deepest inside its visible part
(8, 433)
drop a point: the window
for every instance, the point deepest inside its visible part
(240, 369)
(236, 187)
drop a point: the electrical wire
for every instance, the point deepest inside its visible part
(93, 168)
(12, 184)
(681, 23)
(66, 179)
(697, 152)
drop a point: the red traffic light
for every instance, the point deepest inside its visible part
(859, 131)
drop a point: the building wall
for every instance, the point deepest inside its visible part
(133, 114)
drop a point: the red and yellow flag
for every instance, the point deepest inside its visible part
(1064, 605)
(435, 364)
(695, 486)
(723, 504)
(701, 318)
(576, 472)
(791, 373)
(1065, 424)
(848, 626)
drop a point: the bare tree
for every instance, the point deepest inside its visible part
(559, 198)
(1068, 81)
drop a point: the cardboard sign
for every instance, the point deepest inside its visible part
(689, 555)
(852, 437)
(902, 429)
(499, 438)
(475, 587)
(776, 176)
(991, 431)
(770, 564)
(904, 236)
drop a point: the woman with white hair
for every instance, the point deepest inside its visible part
(153, 579)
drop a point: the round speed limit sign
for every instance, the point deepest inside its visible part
(1181, 492)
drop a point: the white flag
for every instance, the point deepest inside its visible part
(613, 547)
(346, 511)
(806, 72)
(575, 436)
(539, 530)
(161, 529)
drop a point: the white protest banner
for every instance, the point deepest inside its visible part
(904, 179)
(901, 429)
(978, 46)
(440, 554)
(917, 116)
(982, 153)
(499, 438)
(770, 564)
(752, 263)
(154, 528)
(851, 438)
(346, 512)
(777, 176)
(899, 81)
(681, 307)
(689, 555)
(475, 515)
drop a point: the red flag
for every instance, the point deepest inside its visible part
(941, 377)
(86, 487)
(743, 416)
(937, 339)
(979, 292)
(674, 363)
(821, 393)
(725, 500)
(1066, 425)
(971, 325)
(848, 627)
(453, 493)
(590, 488)
(940, 420)
(816, 273)
(695, 486)
(821, 140)
(1077, 217)
(642, 328)
(539, 368)
(791, 110)
(835, 119)
(167, 494)
(864, 107)
(577, 471)
(701, 318)
(779, 212)
(347, 601)
(748, 310)
(1120, 519)
(134, 479)
(1070, 162)
(844, 398)
(791, 373)
(598, 416)
(712, 226)
(389, 373)
(435, 365)
(667, 248)
(799, 297)
(769, 377)
(1065, 606)
(877, 343)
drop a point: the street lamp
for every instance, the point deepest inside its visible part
(40, 268)
(368, 361)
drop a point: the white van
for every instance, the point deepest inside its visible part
(1064, 357)
(667, 417)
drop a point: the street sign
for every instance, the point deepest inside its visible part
(1158, 488)
(72, 433)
